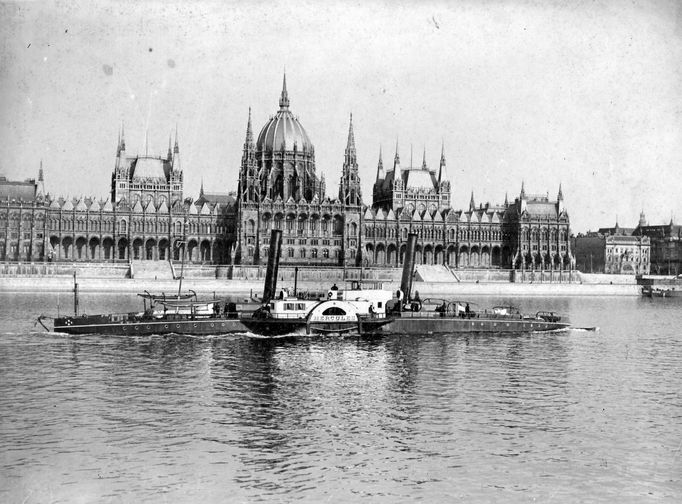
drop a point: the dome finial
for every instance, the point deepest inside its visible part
(284, 99)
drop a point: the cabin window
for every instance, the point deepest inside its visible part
(379, 304)
(334, 310)
(300, 306)
(289, 306)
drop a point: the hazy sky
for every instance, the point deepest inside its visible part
(588, 95)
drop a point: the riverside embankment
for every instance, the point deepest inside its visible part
(246, 287)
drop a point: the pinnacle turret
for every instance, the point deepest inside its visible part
(249, 132)
(442, 170)
(350, 145)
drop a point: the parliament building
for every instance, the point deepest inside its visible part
(147, 216)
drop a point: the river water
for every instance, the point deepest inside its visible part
(563, 417)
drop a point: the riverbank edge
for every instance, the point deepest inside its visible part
(224, 287)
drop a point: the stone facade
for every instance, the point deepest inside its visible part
(146, 216)
(279, 188)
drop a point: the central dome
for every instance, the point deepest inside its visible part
(283, 131)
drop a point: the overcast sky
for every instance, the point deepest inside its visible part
(587, 95)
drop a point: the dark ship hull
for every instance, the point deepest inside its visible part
(297, 327)
(128, 324)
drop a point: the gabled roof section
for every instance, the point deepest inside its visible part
(205, 210)
(94, 207)
(137, 207)
(68, 205)
(369, 215)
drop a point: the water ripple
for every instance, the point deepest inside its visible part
(563, 417)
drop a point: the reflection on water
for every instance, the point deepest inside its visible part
(557, 417)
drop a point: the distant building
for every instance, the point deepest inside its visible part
(613, 250)
(666, 246)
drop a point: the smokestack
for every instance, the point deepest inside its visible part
(273, 265)
(408, 265)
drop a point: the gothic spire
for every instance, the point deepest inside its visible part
(472, 204)
(41, 181)
(424, 167)
(396, 159)
(170, 151)
(176, 148)
(284, 98)
(560, 196)
(380, 167)
(201, 190)
(442, 171)
(523, 190)
(350, 145)
(249, 132)
(122, 142)
(506, 199)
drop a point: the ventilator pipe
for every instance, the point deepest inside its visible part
(273, 265)
(408, 266)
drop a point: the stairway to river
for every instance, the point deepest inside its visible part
(156, 270)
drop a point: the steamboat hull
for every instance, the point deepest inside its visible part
(298, 327)
(415, 325)
(103, 325)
